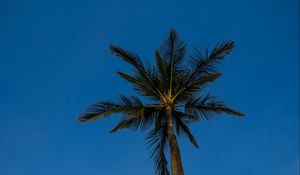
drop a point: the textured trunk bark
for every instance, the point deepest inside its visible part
(176, 165)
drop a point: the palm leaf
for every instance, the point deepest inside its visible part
(204, 62)
(129, 57)
(141, 86)
(188, 89)
(129, 106)
(203, 69)
(143, 121)
(181, 123)
(143, 74)
(205, 107)
(169, 58)
(157, 140)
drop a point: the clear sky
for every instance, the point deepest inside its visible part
(55, 61)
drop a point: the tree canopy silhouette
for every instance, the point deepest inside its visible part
(175, 85)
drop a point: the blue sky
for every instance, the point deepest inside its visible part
(55, 61)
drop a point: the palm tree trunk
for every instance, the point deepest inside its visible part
(176, 164)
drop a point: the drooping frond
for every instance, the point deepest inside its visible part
(128, 106)
(144, 79)
(157, 139)
(169, 58)
(181, 121)
(205, 107)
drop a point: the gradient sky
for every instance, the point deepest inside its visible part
(55, 61)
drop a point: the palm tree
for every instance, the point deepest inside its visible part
(175, 85)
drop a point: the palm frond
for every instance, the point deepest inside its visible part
(162, 67)
(172, 50)
(129, 106)
(143, 87)
(204, 61)
(203, 70)
(221, 50)
(169, 58)
(143, 121)
(144, 75)
(129, 57)
(157, 139)
(205, 107)
(187, 89)
(181, 123)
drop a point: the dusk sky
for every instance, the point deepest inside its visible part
(55, 62)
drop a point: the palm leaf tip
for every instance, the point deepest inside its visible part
(237, 113)
(114, 49)
(82, 120)
(206, 106)
(173, 34)
(129, 57)
(86, 117)
(222, 50)
(228, 111)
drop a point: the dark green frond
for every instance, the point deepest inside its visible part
(221, 50)
(181, 123)
(169, 59)
(142, 86)
(203, 70)
(131, 106)
(205, 107)
(204, 62)
(129, 57)
(143, 121)
(172, 51)
(157, 141)
(187, 89)
(145, 76)
(161, 64)
(162, 68)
